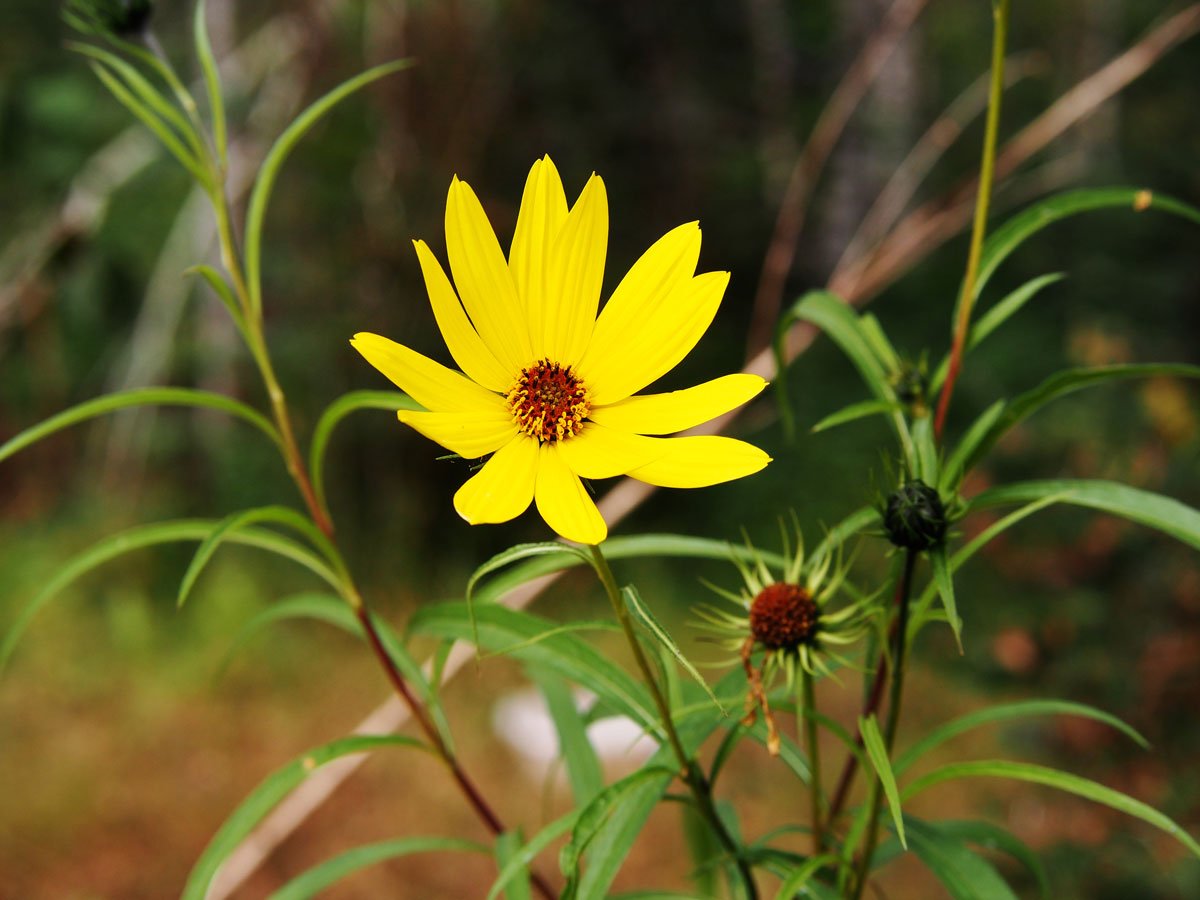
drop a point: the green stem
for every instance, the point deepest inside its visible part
(806, 707)
(986, 172)
(689, 770)
(895, 695)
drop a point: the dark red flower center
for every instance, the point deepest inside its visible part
(548, 402)
(784, 616)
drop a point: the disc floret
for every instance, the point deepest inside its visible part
(548, 402)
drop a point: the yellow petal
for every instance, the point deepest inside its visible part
(564, 502)
(543, 211)
(484, 281)
(679, 410)
(600, 452)
(465, 345)
(656, 343)
(701, 460)
(575, 275)
(642, 293)
(470, 435)
(429, 383)
(502, 489)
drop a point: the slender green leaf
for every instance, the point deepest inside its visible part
(564, 654)
(1163, 513)
(844, 326)
(594, 815)
(964, 873)
(634, 601)
(801, 878)
(521, 552)
(518, 861)
(878, 341)
(334, 572)
(956, 463)
(267, 795)
(583, 766)
(135, 539)
(992, 837)
(212, 82)
(926, 456)
(854, 412)
(333, 414)
(328, 608)
(993, 319)
(146, 94)
(1004, 712)
(945, 587)
(608, 849)
(319, 877)
(260, 194)
(920, 610)
(1063, 781)
(148, 118)
(1005, 239)
(877, 753)
(508, 845)
(556, 557)
(1067, 382)
(162, 396)
(223, 291)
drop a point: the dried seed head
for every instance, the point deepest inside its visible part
(784, 616)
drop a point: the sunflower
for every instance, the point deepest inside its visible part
(789, 617)
(547, 387)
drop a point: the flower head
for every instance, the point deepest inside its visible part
(547, 387)
(788, 616)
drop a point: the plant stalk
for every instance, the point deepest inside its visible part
(987, 170)
(689, 771)
(895, 695)
(805, 708)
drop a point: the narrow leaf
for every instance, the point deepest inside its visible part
(1063, 781)
(1163, 513)
(956, 463)
(334, 573)
(519, 859)
(212, 82)
(162, 396)
(1005, 239)
(319, 877)
(261, 192)
(1005, 712)
(267, 795)
(1067, 382)
(965, 874)
(333, 414)
(945, 586)
(583, 766)
(135, 539)
(508, 845)
(221, 288)
(853, 413)
(878, 755)
(993, 319)
(634, 601)
(327, 608)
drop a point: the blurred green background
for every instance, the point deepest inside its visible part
(120, 749)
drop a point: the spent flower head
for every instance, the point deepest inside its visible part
(547, 389)
(788, 614)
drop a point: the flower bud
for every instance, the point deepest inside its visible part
(914, 516)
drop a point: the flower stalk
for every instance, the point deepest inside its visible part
(805, 707)
(689, 771)
(987, 170)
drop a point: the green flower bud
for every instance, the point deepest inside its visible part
(914, 516)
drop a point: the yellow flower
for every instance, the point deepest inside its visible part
(548, 389)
